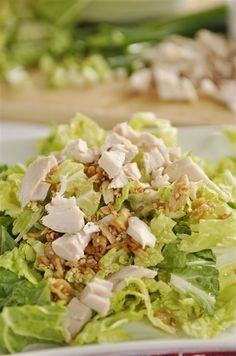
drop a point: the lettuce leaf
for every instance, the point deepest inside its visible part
(226, 265)
(79, 127)
(200, 282)
(193, 274)
(30, 324)
(77, 184)
(89, 202)
(133, 303)
(224, 316)
(113, 261)
(25, 221)
(162, 227)
(142, 203)
(211, 233)
(151, 256)
(9, 189)
(20, 261)
(19, 291)
(136, 297)
(7, 243)
(108, 329)
(159, 127)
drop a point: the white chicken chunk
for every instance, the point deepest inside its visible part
(140, 232)
(64, 215)
(71, 247)
(119, 181)
(32, 187)
(79, 151)
(172, 87)
(78, 314)
(185, 166)
(118, 278)
(117, 142)
(149, 142)
(141, 81)
(112, 162)
(152, 161)
(225, 92)
(124, 130)
(159, 179)
(132, 171)
(97, 295)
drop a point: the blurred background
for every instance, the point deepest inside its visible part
(110, 58)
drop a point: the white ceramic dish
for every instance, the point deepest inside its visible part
(17, 143)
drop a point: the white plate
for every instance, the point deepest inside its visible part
(18, 142)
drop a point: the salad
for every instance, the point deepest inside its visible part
(107, 231)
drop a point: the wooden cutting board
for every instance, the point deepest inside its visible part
(108, 103)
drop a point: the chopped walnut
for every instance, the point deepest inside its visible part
(61, 290)
(180, 193)
(38, 233)
(201, 208)
(95, 173)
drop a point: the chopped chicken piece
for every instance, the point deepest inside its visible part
(78, 314)
(159, 179)
(129, 150)
(118, 278)
(214, 43)
(174, 153)
(79, 151)
(33, 188)
(149, 142)
(126, 131)
(71, 247)
(188, 167)
(64, 215)
(112, 162)
(116, 142)
(141, 81)
(152, 161)
(97, 294)
(132, 171)
(119, 181)
(91, 228)
(140, 232)
(113, 139)
(107, 193)
(172, 87)
(225, 92)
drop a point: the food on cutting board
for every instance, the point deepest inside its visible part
(105, 232)
(181, 68)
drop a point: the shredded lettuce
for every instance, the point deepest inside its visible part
(79, 127)
(159, 127)
(211, 233)
(10, 182)
(20, 261)
(19, 291)
(113, 261)
(7, 242)
(29, 324)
